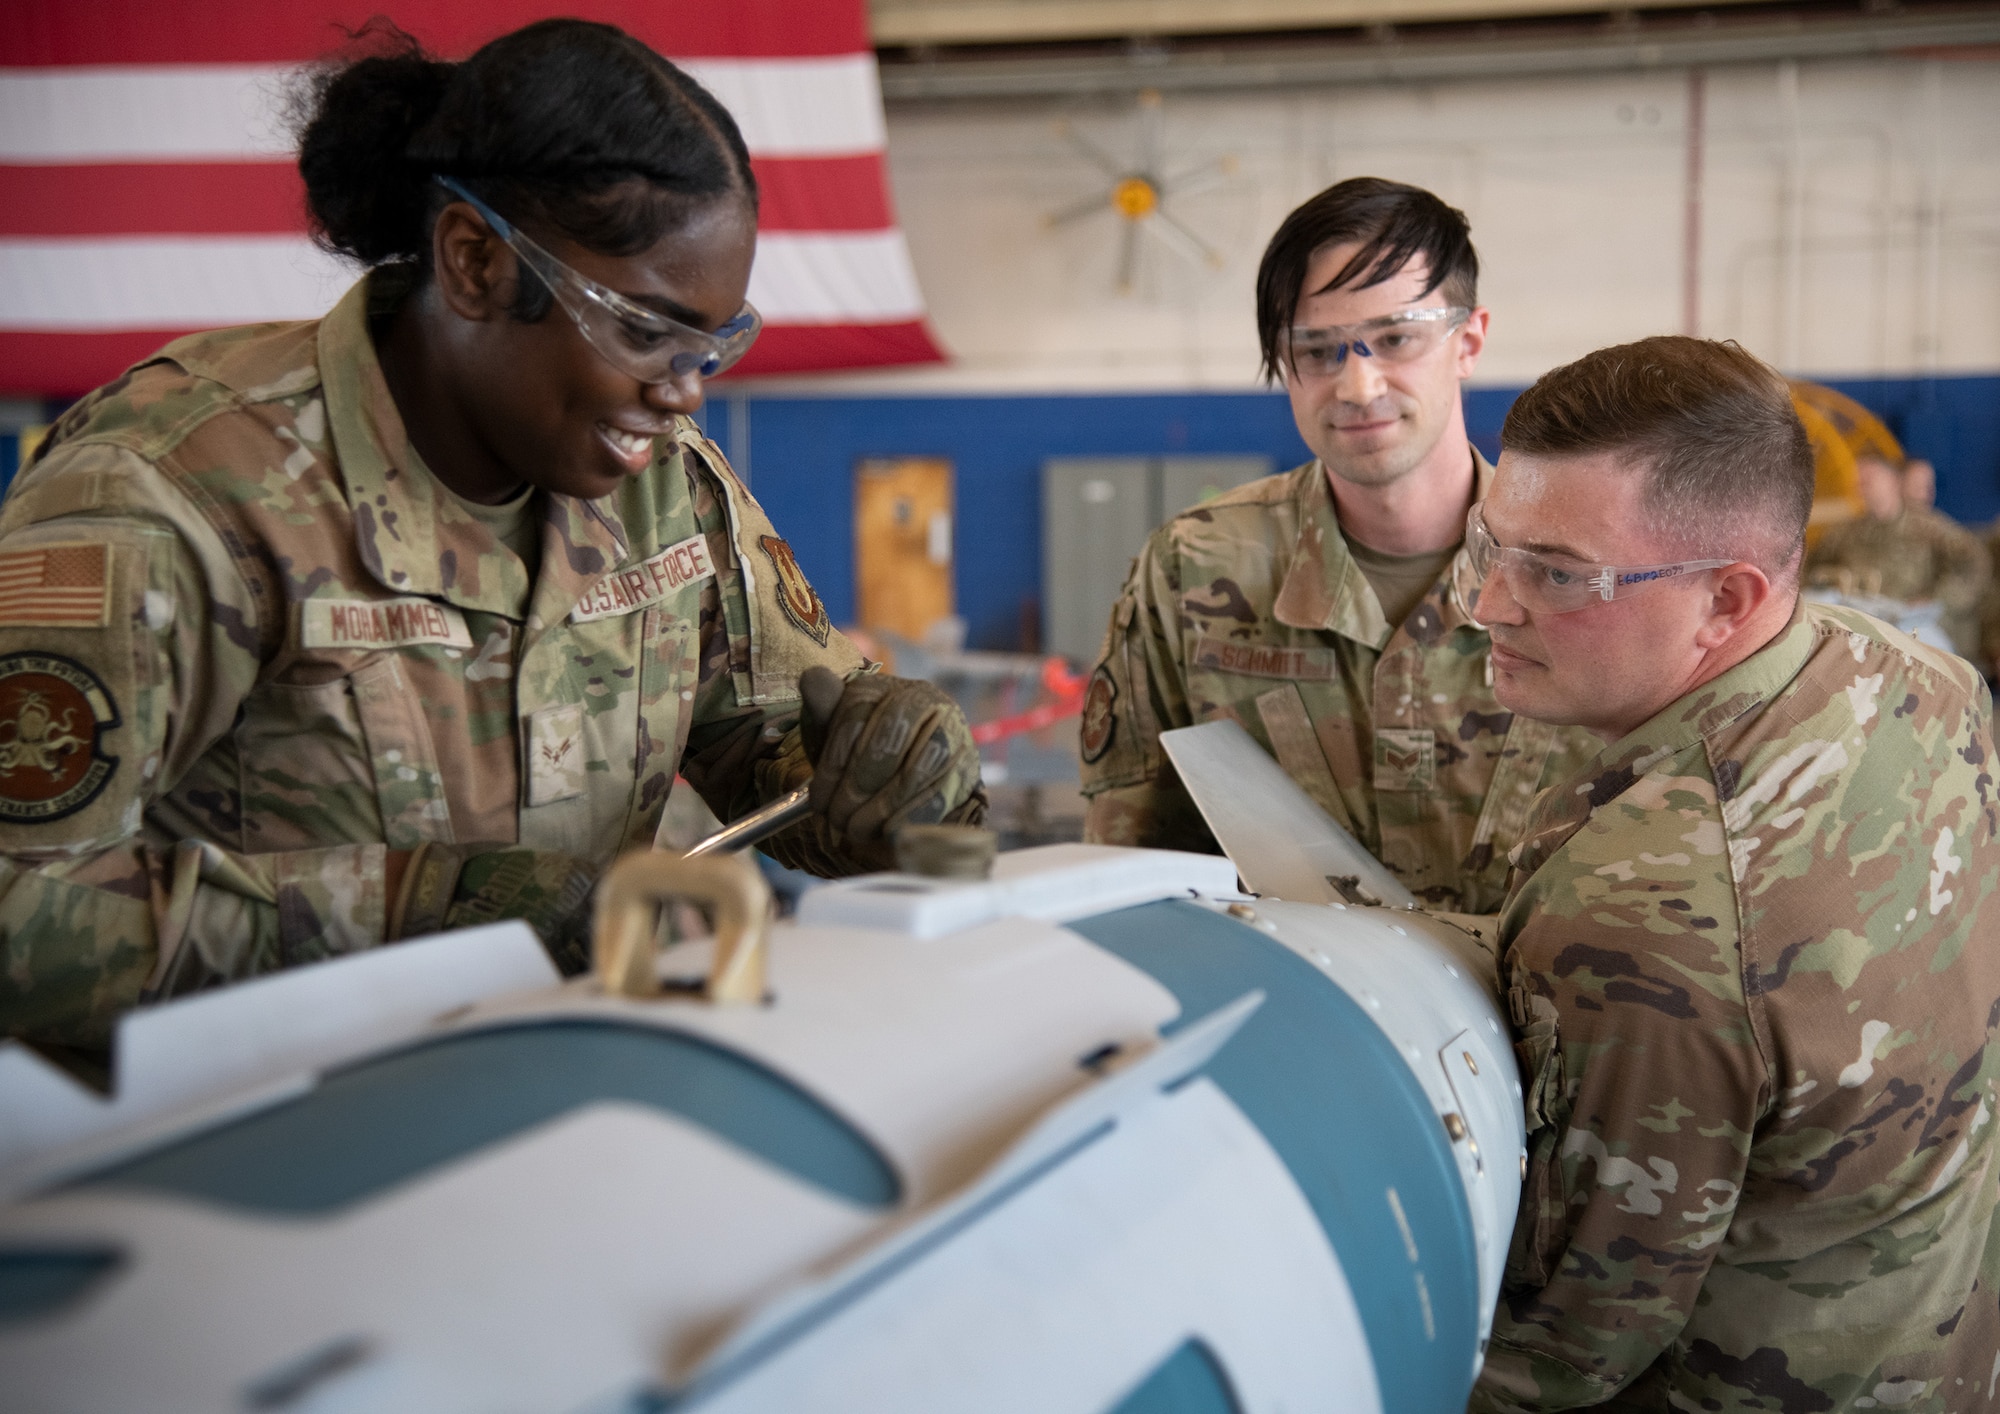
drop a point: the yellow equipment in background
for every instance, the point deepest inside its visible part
(1840, 430)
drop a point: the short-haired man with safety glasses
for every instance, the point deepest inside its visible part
(1749, 948)
(1328, 609)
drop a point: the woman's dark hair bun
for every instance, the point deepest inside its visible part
(562, 124)
(367, 199)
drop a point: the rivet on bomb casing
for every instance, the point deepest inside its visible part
(1243, 911)
(1454, 1125)
(1470, 1064)
(1524, 1168)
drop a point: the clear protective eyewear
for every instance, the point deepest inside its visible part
(645, 343)
(1557, 584)
(1394, 338)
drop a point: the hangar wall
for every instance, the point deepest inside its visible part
(1847, 220)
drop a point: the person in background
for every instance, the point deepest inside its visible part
(1919, 484)
(1328, 609)
(1747, 951)
(1905, 552)
(1989, 611)
(326, 634)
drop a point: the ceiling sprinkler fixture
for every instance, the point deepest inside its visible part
(1138, 194)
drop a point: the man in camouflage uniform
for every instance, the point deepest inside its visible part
(1328, 609)
(1749, 947)
(1906, 551)
(257, 664)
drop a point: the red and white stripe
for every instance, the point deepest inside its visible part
(147, 186)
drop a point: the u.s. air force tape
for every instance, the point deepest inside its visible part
(636, 586)
(54, 713)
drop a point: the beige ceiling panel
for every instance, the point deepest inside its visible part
(1020, 21)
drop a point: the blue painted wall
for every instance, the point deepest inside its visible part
(803, 452)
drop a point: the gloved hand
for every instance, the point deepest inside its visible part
(461, 886)
(886, 752)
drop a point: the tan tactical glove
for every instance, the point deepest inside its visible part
(461, 886)
(886, 752)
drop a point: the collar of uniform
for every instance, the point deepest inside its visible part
(582, 541)
(406, 535)
(1324, 588)
(1702, 713)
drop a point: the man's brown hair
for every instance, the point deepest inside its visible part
(1729, 472)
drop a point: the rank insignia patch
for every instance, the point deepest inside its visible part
(1404, 760)
(801, 605)
(1100, 723)
(53, 716)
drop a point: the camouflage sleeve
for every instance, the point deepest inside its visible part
(1138, 690)
(126, 661)
(1643, 1089)
(761, 626)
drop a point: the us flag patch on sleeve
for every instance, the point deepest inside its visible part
(55, 586)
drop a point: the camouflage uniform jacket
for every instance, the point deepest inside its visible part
(1750, 956)
(248, 643)
(1250, 606)
(1921, 554)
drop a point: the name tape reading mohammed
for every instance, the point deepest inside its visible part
(382, 623)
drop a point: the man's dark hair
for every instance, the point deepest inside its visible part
(1394, 224)
(1729, 471)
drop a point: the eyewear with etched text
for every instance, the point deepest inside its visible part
(1557, 584)
(643, 342)
(1394, 338)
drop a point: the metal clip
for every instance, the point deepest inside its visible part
(1348, 886)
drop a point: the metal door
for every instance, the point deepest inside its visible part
(1096, 513)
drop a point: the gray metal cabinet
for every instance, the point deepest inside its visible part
(1096, 515)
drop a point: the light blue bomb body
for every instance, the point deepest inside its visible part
(1095, 1135)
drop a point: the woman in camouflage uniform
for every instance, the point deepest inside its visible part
(324, 634)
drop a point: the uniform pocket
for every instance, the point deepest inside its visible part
(1541, 1229)
(409, 788)
(668, 675)
(348, 761)
(302, 769)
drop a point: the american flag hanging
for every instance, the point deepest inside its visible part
(147, 185)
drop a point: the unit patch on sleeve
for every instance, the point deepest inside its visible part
(54, 713)
(636, 586)
(1100, 723)
(55, 586)
(380, 623)
(801, 604)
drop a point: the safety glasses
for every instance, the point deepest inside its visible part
(1557, 584)
(1394, 338)
(630, 337)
